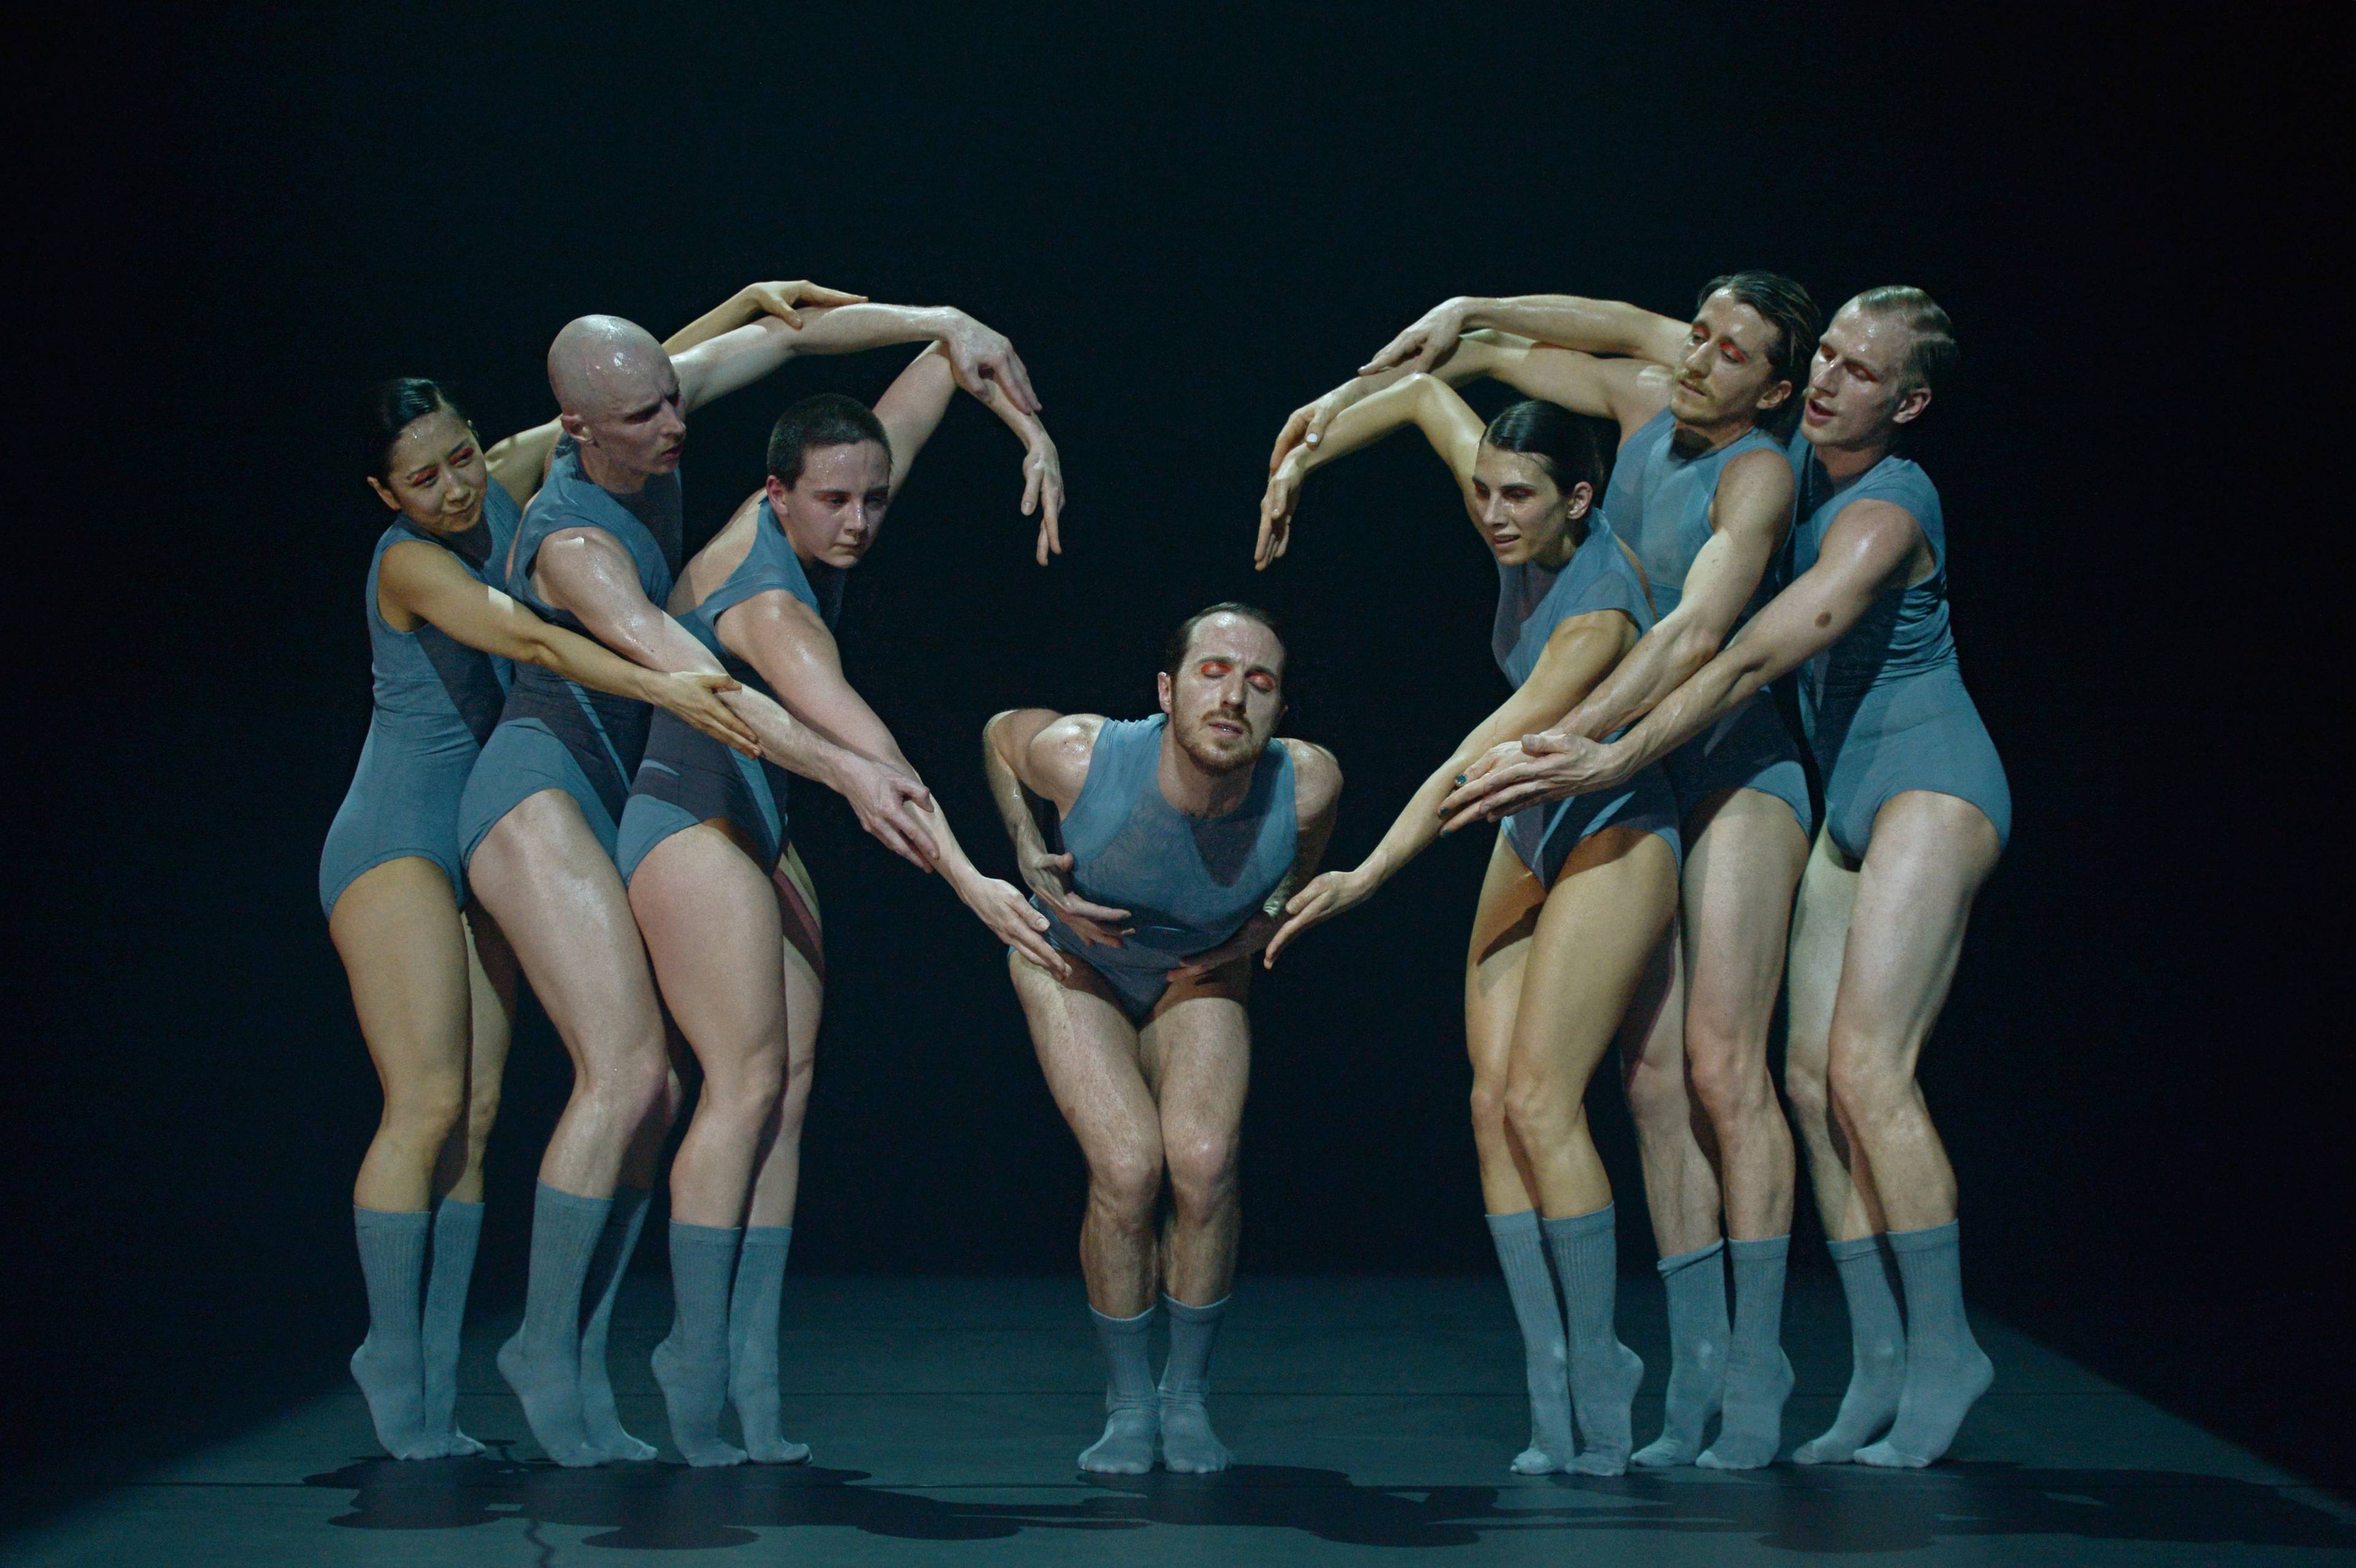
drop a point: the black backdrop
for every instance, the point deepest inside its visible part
(1187, 228)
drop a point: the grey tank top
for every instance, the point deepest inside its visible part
(430, 687)
(1532, 601)
(1660, 503)
(1905, 631)
(769, 565)
(1189, 882)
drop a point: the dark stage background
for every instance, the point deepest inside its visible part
(1187, 230)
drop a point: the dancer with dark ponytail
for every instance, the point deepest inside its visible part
(1576, 904)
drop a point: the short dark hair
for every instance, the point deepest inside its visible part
(829, 418)
(1574, 448)
(1932, 352)
(1798, 324)
(1180, 640)
(392, 406)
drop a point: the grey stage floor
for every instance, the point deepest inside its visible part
(1369, 1415)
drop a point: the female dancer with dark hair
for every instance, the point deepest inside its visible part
(433, 981)
(726, 908)
(1575, 905)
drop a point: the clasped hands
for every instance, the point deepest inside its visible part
(1549, 766)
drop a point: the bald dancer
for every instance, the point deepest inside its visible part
(1178, 838)
(1917, 810)
(596, 553)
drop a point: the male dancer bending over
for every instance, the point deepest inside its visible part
(596, 552)
(1181, 835)
(1916, 812)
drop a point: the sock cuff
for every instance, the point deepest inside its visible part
(1137, 1325)
(1579, 1224)
(388, 1218)
(1180, 1312)
(631, 1201)
(1684, 1261)
(1931, 1239)
(712, 1238)
(458, 1208)
(1766, 1249)
(547, 1197)
(778, 1236)
(1855, 1247)
(1523, 1223)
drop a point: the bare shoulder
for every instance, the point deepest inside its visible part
(1316, 778)
(1873, 536)
(1060, 752)
(708, 568)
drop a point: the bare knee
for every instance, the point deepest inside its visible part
(1488, 1110)
(1729, 1074)
(426, 1109)
(1867, 1087)
(1538, 1110)
(1202, 1166)
(1125, 1182)
(1657, 1101)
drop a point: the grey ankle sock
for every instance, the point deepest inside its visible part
(691, 1363)
(1758, 1373)
(457, 1229)
(1604, 1373)
(1189, 1446)
(1132, 1408)
(1545, 1364)
(1877, 1340)
(1696, 1282)
(1946, 1371)
(753, 1344)
(600, 1418)
(388, 1365)
(542, 1362)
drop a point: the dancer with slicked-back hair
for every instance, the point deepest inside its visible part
(1700, 493)
(1576, 907)
(1916, 812)
(729, 916)
(432, 978)
(598, 548)
(1176, 839)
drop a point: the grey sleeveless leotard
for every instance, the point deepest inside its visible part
(1659, 502)
(1532, 601)
(554, 734)
(436, 701)
(1885, 708)
(686, 776)
(1189, 882)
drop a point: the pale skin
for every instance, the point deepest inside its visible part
(1744, 848)
(745, 998)
(1874, 942)
(541, 870)
(1552, 973)
(434, 989)
(1161, 1101)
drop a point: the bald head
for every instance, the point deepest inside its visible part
(600, 365)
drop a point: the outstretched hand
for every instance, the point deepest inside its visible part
(1050, 877)
(1426, 346)
(782, 300)
(1331, 893)
(1538, 769)
(693, 697)
(977, 355)
(1306, 425)
(1275, 506)
(892, 806)
(1043, 491)
(1003, 909)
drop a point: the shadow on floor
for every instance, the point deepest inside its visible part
(671, 1508)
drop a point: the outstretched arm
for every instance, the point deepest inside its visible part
(1748, 520)
(783, 638)
(1870, 546)
(911, 410)
(1567, 321)
(586, 571)
(1423, 402)
(1578, 653)
(1034, 758)
(739, 357)
(424, 582)
(751, 302)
